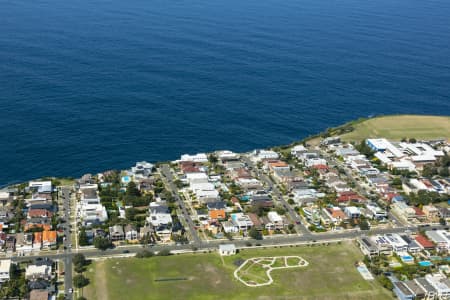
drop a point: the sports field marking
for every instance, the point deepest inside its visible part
(252, 271)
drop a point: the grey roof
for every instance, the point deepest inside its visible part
(216, 205)
(426, 285)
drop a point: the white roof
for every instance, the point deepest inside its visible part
(5, 265)
(199, 157)
(274, 216)
(227, 247)
(37, 270)
(352, 210)
(196, 176)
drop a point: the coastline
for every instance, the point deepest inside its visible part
(343, 129)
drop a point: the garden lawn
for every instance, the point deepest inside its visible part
(331, 274)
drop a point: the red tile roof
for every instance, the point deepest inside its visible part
(419, 212)
(424, 242)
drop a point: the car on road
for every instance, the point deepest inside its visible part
(126, 251)
(70, 290)
(297, 222)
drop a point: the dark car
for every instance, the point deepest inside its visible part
(126, 251)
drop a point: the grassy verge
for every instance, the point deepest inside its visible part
(401, 126)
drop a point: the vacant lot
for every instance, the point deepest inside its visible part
(330, 275)
(402, 126)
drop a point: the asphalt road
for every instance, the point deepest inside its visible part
(165, 170)
(67, 256)
(275, 241)
(299, 226)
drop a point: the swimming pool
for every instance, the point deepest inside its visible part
(407, 258)
(425, 263)
(126, 179)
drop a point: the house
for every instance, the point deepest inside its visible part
(275, 219)
(352, 212)
(159, 214)
(241, 221)
(257, 223)
(39, 295)
(406, 290)
(5, 266)
(262, 200)
(48, 239)
(440, 283)
(424, 243)
(368, 246)
(431, 212)
(217, 214)
(349, 196)
(10, 243)
(89, 209)
(398, 244)
(39, 213)
(196, 158)
(142, 169)
(259, 155)
(116, 233)
(35, 272)
(227, 249)
(131, 233)
(37, 242)
(229, 227)
(217, 205)
(298, 150)
(440, 238)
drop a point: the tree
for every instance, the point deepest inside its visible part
(213, 159)
(164, 252)
(80, 281)
(102, 243)
(82, 238)
(79, 261)
(255, 234)
(145, 254)
(132, 190)
(412, 140)
(364, 225)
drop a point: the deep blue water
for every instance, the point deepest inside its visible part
(92, 85)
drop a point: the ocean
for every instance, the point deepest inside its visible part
(87, 86)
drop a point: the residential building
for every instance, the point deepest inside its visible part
(197, 158)
(227, 249)
(89, 209)
(49, 239)
(131, 233)
(34, 272)
(241, 221)
(159, 214)
(275, 219)
(352, 212)
(116, 233)
(5, 266)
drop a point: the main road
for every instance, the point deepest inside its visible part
(267, 242)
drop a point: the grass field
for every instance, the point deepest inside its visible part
(330, 275)
(398, 127)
